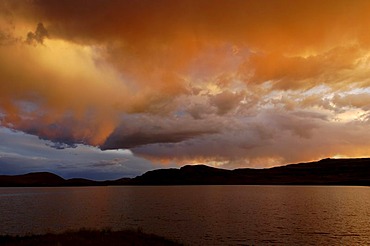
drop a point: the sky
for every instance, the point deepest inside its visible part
(109, 89)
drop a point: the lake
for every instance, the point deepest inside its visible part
(197, 215)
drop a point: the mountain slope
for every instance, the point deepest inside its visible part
(43, 179)
(324, 172)
(32, 179)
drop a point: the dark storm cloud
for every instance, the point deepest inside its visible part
(128, 141)
(23, 153)
(38, 35)
(221, 80)
(144, 130)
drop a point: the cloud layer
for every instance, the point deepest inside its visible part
(230, 83)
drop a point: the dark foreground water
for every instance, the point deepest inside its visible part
(198, 215)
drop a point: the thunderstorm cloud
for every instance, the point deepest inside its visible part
(227, 83)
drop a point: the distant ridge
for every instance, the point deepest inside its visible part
(42, 179)
(32, 179)
(323, 172)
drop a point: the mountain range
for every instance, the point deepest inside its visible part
(323, 172)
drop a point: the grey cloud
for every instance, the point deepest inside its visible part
(198, 111)
(59, 135)
(264, 139)
(108, 163)
(22, 153)
(61, 145)
(226, 101)
(144, 130)
(299, 124)
(310, 115)
(38, 36)
(353, 100)
(128, 141)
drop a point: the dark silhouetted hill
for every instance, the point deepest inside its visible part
(31, 179)
(324, 172)
(42, 179)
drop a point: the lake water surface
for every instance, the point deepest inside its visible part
(197, 215)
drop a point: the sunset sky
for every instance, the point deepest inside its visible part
(105, 89)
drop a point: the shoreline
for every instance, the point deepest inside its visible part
(91, 237)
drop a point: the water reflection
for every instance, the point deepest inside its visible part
(197, 215)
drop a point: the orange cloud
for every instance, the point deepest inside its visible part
(219, 81)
